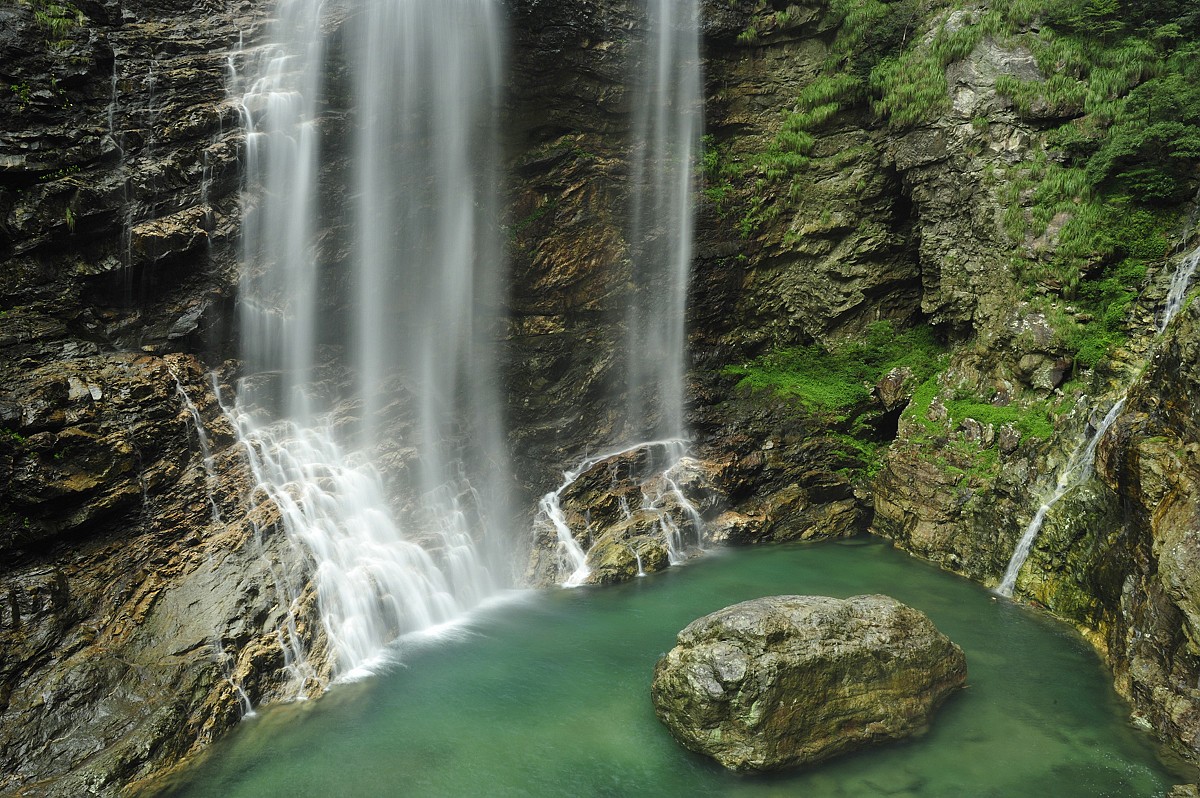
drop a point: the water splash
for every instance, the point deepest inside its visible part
(373, 583)
(550, 509)
(206, 453)
(660, 494)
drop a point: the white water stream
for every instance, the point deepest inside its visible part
(409, 310)
(573, 555)
(1177, 292)
(668, 119)
(1078, 470)
(1080, 465)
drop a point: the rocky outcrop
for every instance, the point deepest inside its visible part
(1118, 557)
(141, 603)
(791, 680)
(632, 513)
(568, 121)
(139, 600)
(118, 221)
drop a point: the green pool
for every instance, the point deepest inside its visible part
(547, 695)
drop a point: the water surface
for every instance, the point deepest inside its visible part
(548, 695)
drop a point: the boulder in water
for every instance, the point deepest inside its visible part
(789, 680)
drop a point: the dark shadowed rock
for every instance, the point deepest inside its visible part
(789, 680)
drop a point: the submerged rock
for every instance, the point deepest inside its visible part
(790, 680)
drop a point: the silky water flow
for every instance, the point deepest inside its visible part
(667, 121)
(407, 320)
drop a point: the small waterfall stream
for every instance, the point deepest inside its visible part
(1180, 281)
(668, 118)
(1078, 470)
(407, 308)
(573, 555)
(1081, 463)
(667, 122)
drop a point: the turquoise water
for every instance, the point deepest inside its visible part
(548, 695)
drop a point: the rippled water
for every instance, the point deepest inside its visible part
(548, 695)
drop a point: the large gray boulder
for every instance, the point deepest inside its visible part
(788, 680)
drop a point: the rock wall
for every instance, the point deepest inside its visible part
(137, 592)
(908, 223)
(1119, 558)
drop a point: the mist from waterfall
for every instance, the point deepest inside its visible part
(403, 306)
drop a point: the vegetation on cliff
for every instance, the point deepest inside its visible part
(842, 377)
(1121, 94)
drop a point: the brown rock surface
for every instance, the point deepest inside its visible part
(785, 681)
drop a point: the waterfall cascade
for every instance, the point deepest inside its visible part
(668, 117)
(667, 124)
(410, 313)
(1078, 470)
(1080, 465)
(1177, 292)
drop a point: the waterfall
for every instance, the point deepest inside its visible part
(1079, 466)
(1078, 470)
(206, 454)
(370, 408)
(667, 122)
(668, 119)
(550, 506)
(1180, 281)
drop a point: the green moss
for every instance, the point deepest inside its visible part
(918, 407)
(1125, 240)
(56, 18)
(863, 456)
(837, 383)
(1031, 421)
(23, 92)
(825, 380)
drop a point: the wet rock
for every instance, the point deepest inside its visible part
(791, 680)
(1009, 439)
(895, 388)
(632, 512)
(157, 617)
(620, 555)
(1150, 609)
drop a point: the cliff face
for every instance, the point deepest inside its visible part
(1119, 558)
(929, 223)
(1152, 462)
(126, 593)
(138, 586)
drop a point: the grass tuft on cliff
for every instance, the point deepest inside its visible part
(842, 378)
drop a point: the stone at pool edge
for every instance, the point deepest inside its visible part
(784, 681)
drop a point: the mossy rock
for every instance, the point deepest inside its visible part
(785, 681)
